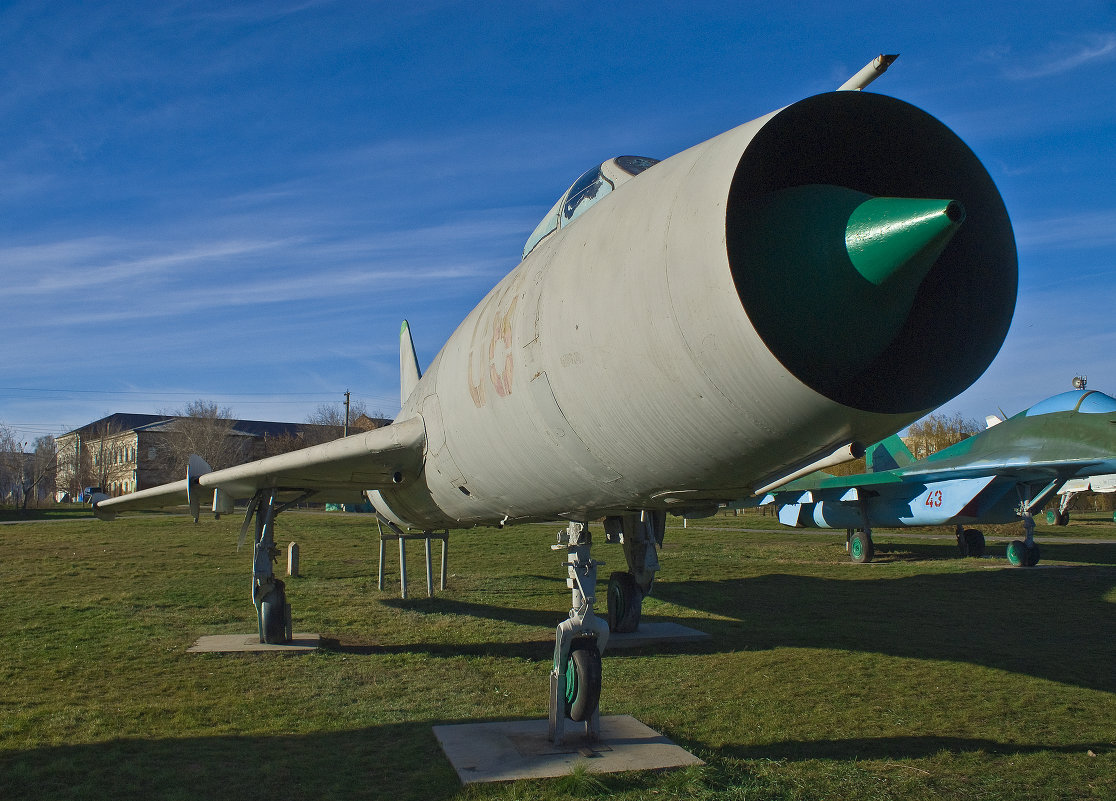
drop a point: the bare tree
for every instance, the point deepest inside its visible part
(96, 463)
(333, 415)
(938, 431)
(205, 429)
(11, 464)
(39, 469)
(25, 477)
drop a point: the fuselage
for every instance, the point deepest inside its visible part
(632, 359)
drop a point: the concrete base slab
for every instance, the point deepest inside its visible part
(245, 643)
(507, 751)
(656, 633)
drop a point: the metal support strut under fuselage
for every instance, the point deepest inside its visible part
(581, 631)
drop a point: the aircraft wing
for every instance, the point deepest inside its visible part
(334, 471)
(1022, 468)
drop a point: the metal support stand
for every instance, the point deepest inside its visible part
(582, 622)
(395, 533)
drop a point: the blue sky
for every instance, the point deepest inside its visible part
(239, 201)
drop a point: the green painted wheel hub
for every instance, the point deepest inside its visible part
(857, 547)
(571, 681)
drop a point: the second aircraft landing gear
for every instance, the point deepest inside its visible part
(970, 541)
(575, 680)
(1024, 553)
(858, 542)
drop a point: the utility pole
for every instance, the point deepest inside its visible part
(346, 413)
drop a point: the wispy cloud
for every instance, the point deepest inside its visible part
(1084, 230)
(1070, 55)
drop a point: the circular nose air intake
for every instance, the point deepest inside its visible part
(871, 252)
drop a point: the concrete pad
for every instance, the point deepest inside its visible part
(245, 643)
(655, 634)
(506, 751)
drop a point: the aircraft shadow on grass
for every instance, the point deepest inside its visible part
(358, 763)
(864, 748)
(1052, 623)
(911, 550)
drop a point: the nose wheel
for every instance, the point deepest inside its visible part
(583, 680)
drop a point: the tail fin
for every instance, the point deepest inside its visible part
(409, 373)
(888, 454)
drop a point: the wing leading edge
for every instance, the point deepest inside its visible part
(334, 471)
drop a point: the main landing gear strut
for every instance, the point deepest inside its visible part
(269, 595)
(575, 681)
(641, 533)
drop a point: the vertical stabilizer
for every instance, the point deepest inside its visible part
(889, 454)
(409, 373)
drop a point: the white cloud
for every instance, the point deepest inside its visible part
(1092, 48)
(1084, 230)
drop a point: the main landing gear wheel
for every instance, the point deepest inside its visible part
(276, 614)
(861, 549)
(1022, 555)
(624, 602)
(974, 542)
(583, 679)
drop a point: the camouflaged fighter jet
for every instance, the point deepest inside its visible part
(678, 333)
(1000, 475)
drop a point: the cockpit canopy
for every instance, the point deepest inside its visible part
(1086, 401)
(593, 185)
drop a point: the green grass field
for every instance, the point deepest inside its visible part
(917, 676)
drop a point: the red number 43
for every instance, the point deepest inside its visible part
(934, 498)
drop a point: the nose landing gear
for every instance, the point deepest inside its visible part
(579, 641)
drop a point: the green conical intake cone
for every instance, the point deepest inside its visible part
(890, 238)
(828, 274)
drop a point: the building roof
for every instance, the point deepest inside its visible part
(122, 422)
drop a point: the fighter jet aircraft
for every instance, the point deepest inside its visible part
(678, 333)
(1000, 475)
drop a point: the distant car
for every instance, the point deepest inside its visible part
(87, 493)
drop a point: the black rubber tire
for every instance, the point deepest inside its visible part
(273, 610)
(1030, 556)
(583, 680)
(1061, 518)
(962, 544)
(974, 542)
(625, 602)
(861, 548)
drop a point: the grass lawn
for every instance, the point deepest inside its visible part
(917, 676)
